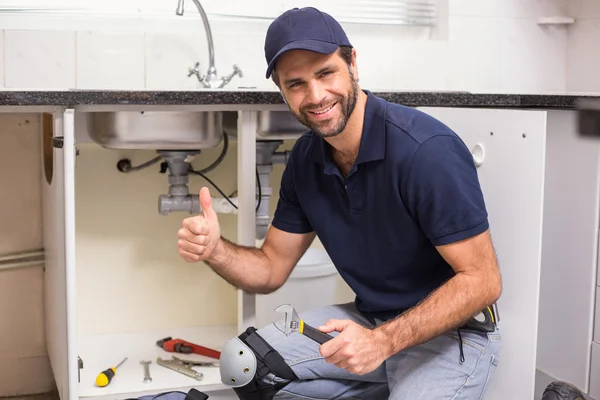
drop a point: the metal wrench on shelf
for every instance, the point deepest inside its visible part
(147, 377)
(185, 366)
(292, 324)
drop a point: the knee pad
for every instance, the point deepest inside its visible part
(250, 366)
(561, 391)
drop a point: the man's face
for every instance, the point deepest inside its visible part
(320, 89)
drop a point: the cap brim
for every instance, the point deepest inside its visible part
(310, 45)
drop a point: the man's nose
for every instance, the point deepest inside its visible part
(316, 92)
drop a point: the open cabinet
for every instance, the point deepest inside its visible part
(527, 159)
(89, 250)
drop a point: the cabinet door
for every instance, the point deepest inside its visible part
(59, 243)
(510, 145)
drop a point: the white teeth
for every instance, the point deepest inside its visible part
(325, 110)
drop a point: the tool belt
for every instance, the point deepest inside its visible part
(489, 322)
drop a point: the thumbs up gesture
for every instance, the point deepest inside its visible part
(200, 234)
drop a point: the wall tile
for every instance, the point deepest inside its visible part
(39, 59)
(583, 57)
(110, 60)
(1, 58)
(506, 55)
(168, 57)
(242, 43)
(387, 64)
(584, 9)
(247, 52)
(508, 9)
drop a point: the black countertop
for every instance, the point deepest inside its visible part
(72, 98)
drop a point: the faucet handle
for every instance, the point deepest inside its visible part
(225, 80)
(195, 70)
(237, 70)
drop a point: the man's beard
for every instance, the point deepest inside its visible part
(323, 128)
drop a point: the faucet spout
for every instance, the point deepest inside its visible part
(179, 10)
(210, 79)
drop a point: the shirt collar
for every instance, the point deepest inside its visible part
(372, 141)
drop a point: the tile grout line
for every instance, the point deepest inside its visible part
(75, 61)
(145, 47)
(2, 36)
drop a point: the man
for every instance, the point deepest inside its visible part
(394, 197)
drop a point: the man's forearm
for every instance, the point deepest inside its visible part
(448, 307)
(245, 267)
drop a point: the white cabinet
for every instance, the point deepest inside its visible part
(541, 187)
(540, 182)
(115, 283)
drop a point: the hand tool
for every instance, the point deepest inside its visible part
(182, 366)
(147, 377)
(487, 325)
(292, 324)
(182, 346)
(106, 376)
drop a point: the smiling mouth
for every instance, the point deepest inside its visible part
(323, 111)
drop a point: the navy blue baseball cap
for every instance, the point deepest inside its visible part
(303, 29)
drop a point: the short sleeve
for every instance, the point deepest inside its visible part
(289, 215)
(443, 193)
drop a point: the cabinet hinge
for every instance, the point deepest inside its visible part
(59, 142)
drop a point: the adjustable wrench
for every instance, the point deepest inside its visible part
(292, 324)
(146, 364)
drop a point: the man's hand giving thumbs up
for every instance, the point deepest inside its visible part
(200, 234)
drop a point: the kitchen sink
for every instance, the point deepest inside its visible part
(157, 130)
(279, 125)
(270, 125)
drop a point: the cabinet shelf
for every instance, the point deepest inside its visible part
(99, 352)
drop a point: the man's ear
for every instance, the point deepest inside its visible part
(354, 65)
(283, 97)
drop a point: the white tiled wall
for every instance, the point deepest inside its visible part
(110, 60)
(505, 54)
(583, 55)
(167, 58)
(492, 46)
(39, 59)
(507, 8)
(1, 59)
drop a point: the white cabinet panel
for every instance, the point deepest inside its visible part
(567, 287)
(597, 317)
(511, 177)
(595, 372)
(59, 244)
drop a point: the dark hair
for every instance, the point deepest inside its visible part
(343, 51)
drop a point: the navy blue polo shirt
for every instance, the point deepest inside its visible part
(414, 186)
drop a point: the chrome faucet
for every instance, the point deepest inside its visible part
(210, 79)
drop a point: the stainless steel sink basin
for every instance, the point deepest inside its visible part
(270, 125)
(279, 125)
(160, 130)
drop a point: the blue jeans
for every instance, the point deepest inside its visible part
(430, 371)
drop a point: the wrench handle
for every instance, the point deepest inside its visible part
(314, 333)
